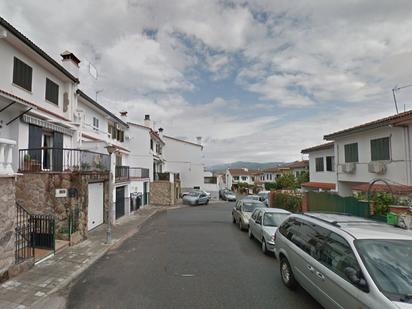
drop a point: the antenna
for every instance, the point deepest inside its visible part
(397, 88)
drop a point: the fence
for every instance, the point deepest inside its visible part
(62, 160)
(327, 202)
(124, 173)
(32, 231)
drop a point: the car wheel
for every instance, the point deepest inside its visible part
(233, 220)
(250, 233)
(264, 248)
(286, 273)
(240, 225)
(207, 202)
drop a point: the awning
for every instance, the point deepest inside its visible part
(320, 185)
(47, 125)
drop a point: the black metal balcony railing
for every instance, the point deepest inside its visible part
(125, 173)
(210, 180)
(62, 160)
(166, 176)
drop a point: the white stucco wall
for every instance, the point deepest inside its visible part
(325, 176)
(39, 75)
(139, 145)
(186, 159)
(398, 169)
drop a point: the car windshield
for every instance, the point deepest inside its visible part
(389, 264)
(252, 197)
(229, 193)
(273, 219)
(264, 195)
(251, 206)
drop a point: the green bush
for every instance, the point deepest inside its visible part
(290, 202)
(381, 201)
(286, 182)
(270, 186)
(302, 178)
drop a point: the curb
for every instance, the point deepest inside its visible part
(93, 259)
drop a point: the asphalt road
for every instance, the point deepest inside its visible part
(187, 258)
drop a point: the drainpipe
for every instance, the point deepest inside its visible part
(408, 158)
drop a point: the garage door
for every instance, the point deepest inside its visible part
(96, 207)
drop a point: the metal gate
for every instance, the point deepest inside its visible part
(327, 202)
(24, 247)
(32, 231)
(120, 199)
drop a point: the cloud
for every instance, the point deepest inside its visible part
(267, 78)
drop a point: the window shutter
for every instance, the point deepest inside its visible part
(52, 91)
(22, 74)
(380, 149)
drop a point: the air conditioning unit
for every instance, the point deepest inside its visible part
(377, 167)
(349, 168)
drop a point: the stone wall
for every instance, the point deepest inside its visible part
(7, 224)
(37, 193)
(164, 193)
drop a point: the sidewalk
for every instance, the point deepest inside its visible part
(34, 286)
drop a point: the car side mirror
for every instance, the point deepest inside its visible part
(353, 275)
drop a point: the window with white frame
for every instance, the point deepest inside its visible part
(95, 124)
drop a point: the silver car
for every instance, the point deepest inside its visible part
(346, 262)
(229, 196)
(263, 225)
(243, 210)
(196, 198)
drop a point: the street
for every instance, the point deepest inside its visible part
(190, 257)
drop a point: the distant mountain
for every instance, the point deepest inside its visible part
(240, 164)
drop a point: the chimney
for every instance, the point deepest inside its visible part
(147, 122)
(161, 132)
(199, 140)
(71, 63)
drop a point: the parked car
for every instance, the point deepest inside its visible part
(222, 192)
(196, 198)
(229, 196)
(252, 197)
(243, 210)
(264, 197)
(195, 190)
(263, 225)
(346, 262)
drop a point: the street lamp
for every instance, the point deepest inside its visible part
(110, 149)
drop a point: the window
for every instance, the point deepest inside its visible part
(380, 149)
(244, 178)
(235, 177)
(336, 254)
(52, 92)
(330, 162)
(319, 164)
(351, 153)
(112, 131)
(151, 144)
(95, 124)
(120, 135)
(22, 74)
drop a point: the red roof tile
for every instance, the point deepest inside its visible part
(379, 187)
(320, 185)
(318, 147)
(391, 120)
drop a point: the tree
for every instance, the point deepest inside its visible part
(270, 186)
(286, 181)
(303, 177)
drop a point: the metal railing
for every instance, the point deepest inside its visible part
(62, 160)
(210, 180)
(24, 248)
(32, 231)
(125, 173)
(166, 176)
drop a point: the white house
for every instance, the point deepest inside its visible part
(37, 98)
(184, 157)
(380, 149)
(297, 168)
(322, 168)
(234, 176)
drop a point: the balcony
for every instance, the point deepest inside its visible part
(62, 160)
(167, 176)
(126, 173)
(6, 156)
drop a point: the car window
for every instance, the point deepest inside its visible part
(336, 254)
(259, 217)
(255, 214)
(250, 206)
(388, 261)
(238, 205)
(307, 236)
(273, 219)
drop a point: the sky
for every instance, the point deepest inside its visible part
(257, 80)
